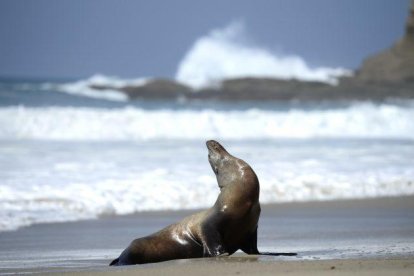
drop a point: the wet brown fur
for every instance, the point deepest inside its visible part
(230, 225)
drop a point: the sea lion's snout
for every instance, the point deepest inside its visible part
(215, 154)
(214, 145)
(209, 144)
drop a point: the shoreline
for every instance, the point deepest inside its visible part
(370, 202)
(369, 235)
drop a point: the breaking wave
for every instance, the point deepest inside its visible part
(108, 87)
(156, 190)
(361, 120)
(224, 53)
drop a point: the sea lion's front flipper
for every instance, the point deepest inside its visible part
(250, 244)
(212, 243)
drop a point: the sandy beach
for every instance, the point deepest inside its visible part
(371, 237)
(242, 265)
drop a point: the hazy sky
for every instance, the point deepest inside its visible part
(77, 38)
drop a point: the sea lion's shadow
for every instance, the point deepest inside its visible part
(277, 254)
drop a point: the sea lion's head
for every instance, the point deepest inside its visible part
(216, 154)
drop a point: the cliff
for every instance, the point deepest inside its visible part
(395, 64)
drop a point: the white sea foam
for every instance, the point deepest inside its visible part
(155, 191)
(363, 120)
(84, 87)
(60, 181)
(224, 54)
(76, 201)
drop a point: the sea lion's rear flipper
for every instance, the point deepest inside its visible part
(250, 247)
(114, 262)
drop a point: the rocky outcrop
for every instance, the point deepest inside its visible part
(294, 90)
(395, 64)
(266, 89)
(153, 89)
(263, 89)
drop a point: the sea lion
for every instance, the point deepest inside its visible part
(229, 225)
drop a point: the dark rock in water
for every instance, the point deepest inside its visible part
(395, 64)
(263, 89)
(160, 88)
(153, 89)
(348, 89)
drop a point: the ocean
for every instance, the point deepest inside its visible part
(68, 154)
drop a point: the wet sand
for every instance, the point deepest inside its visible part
(371, 236)
(251, 266)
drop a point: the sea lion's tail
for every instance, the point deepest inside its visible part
(114, 262)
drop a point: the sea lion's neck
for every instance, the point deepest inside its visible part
(229, 170)
(223, 163)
